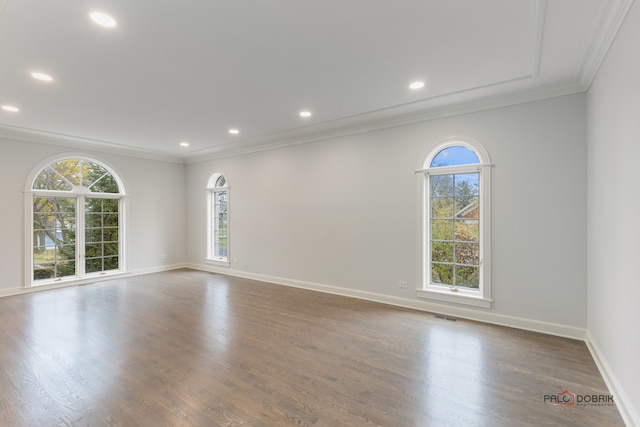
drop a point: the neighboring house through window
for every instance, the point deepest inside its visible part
(456, 222)
(218, 220)
(76, 231)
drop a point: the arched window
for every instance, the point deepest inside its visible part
(218, 220)
(456, 222)
(76, 232)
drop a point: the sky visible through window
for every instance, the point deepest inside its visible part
(453, 156)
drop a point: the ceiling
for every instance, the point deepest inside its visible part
(188, 71)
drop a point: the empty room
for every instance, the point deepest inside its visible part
(319, 213)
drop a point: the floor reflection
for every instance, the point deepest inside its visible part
(454, 376)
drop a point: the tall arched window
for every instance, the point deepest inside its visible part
(456, 224)
(218, 220)
(76, 205)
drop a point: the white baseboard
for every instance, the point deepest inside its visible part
(63, 284)
(627, 411)
(428, 306)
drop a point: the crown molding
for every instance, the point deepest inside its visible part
(61, 140)
(450, 105)
(610, 18)
(373, 122)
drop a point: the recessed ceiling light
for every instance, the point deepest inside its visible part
(42, 76)
(416, 85)
(305, 113)
(10, 108)
(103, 19)
(184, 144)
(234, 131)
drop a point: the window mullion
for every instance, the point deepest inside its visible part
(80, 235)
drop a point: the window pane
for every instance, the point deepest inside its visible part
(111, 263)
(453, 156)
(98, 179)
(110, 234)
(49, 179)
(93, 265)
(65, 268)
(101, 239)
(441, 185)
(110, 219)
(441, 229)
(221, 181)
(93, 250)
(93, 205)
(54, 237)
(69, 169)
(93, 220)
(442, 207)
(442, 274)
(93, 235)
(467, 184)
(468, 277)
(442, 251)
(110, 205)
(220, 225)
(467, 207)
(467, 253)
(110, 249)
(467, 230)
(65, 175)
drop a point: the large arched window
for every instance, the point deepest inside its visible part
(218, 220)
(456, 222)
(76, 229)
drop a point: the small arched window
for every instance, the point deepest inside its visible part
(76, 206)
(218, 219)
(455, 249)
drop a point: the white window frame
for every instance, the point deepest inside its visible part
(426, 289)
(80, 194)
(212, 192)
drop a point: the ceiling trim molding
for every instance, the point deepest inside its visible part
(61, 140)
(610, 18)
(287, 139)
(541, 16)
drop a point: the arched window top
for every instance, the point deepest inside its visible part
(454, 155)
(456, 152)
(77, 176)
(217, 180)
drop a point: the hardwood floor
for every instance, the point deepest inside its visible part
(189, 348)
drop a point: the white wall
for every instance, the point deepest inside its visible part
(614, 213)
(342, 212)
(156, 207)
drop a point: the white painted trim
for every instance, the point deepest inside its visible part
(431, 307)
(463, 296)
(87, 280)
(448, 105)
(375, 121)
(610, 18)
(17, 133)
(541, 17)
(623, 403)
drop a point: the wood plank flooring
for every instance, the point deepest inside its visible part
(190, 348)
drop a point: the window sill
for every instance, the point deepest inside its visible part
(75, 280)
(222, 262)
(460, 297)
